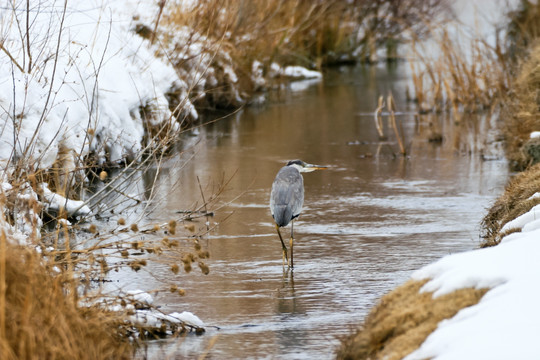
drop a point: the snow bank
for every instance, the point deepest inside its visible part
(506, 322)
(93, 72)
(74, 85)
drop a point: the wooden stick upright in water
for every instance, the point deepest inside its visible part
(378, 118)
(391, 110)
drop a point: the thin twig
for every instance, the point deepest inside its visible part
(391, 109)
(378, 119)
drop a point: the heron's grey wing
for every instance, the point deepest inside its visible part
(297, 200)
(287, 195)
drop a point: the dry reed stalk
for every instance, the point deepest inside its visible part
(399, 133)
(378, 118)
(475, 77)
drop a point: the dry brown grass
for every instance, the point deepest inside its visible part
(522, 114)
(299, 32)
(515, 201)
(402, 321)
(40, 318)
(523, 27)
(456, 77)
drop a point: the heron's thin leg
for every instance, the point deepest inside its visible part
(291, 242)
(285, 257)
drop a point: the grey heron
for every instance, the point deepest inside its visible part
(287, 198)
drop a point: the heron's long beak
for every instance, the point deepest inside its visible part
(311, 167)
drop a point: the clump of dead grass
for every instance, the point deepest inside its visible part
(522, 114)
(40, 316)
(402, 321)
(515, 201)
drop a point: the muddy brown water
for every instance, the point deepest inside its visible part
(368, 222)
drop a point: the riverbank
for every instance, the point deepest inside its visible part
(464, 304)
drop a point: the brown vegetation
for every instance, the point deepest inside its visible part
(40, 316)
(241, 34)
(402, 320)
(515, 201)
(459, 78)
(521, 112)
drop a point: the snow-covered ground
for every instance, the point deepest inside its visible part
(79, 68)
(75, 80)
(506, 322)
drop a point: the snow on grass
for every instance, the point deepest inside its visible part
(91, 72)
(506, 322)
(299, 72)
(73, 83)
(55, 203)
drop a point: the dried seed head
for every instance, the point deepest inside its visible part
(104, 266)
(125, 253)
(172, 227)
(137, 244)
(121, 221)
(181, 292)
(203, 254)
(197, 246)
(204, 268)
(135, 266)
(190, 227)
(134, 228)
(92, 228)
(173, 288)
(155, 228)
(175, 269)
(187, 267)
(91, 131)
(186, 259)
(174, 243)
(103, 175)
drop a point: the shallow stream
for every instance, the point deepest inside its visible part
(368, 222)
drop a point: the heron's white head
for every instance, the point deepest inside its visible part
(302, 166)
